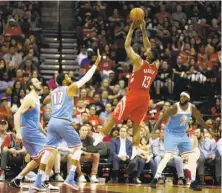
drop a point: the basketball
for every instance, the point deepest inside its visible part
(137, 14)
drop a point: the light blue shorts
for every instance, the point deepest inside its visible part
(33, 141)
(171, 141)
(59, 129)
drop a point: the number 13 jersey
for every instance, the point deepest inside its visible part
(62, 104)
(143, 78)
(134, 105)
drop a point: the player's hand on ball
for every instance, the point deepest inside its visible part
(98, 58)
(135, 24)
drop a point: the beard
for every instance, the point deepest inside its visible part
(184, 103)
(37, 89)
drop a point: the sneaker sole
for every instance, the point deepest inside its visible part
(38, 189)
(69, 185)
(16, 187)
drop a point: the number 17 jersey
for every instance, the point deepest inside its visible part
(143, 78)
(61, 103)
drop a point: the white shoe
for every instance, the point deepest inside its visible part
(82, 179)
(25, 186)
(59, 178)
(51, 187)
(93, 179)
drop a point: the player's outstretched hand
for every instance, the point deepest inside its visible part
(98, 58)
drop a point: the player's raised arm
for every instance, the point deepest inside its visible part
(171, 111)
(129, 50)
(74, 86)
(198, 117)
(146, 42)
(26, 104)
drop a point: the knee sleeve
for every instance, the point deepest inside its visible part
(77, 153)
(47, 156)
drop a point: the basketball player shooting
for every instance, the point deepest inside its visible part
(134, 105)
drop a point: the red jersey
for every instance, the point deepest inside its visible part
(143, 78)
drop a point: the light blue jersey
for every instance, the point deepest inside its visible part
(177, 124)
(32, 139)
(60, 125)
(175, 131)
(62, 104)
(31, 117)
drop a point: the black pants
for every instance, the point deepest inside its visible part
(7, 159)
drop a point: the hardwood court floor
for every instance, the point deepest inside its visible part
(116, 188)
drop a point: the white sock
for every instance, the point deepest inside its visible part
(19, 177)
(46, 178)
(73, 168)
(41, 172)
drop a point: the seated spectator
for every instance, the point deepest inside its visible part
(208, 149)
(76, 118)
(28, 66)
(164, 79)
(16, 88)
(82, 55)
(19, 75)
(120, 151)
(84, 118)
(13, 59)
(81, 107)
(97, 102)
(3, 130)
(113, 134)
(13, 152)
(105, 98)
(155, 135)
(145, 156)
(107, 113)
(84, 96)
(15, 104)
(86, 62)
(176, 161)
(89, 153)
(216, 109)
(130, 134)
(5, 111)
(12, 28)
(94, 120)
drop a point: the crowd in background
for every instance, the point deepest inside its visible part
(184, 36)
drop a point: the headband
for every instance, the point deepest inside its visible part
(185, 94)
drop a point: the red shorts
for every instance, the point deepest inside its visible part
(133, 106)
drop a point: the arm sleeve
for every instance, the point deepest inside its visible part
(87, 76)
